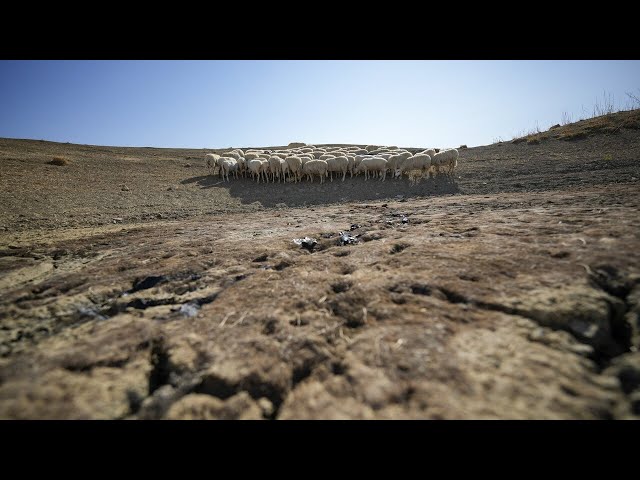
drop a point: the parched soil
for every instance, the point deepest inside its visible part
(511, 291)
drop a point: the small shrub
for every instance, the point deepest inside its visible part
(462, 147)
(533, 141)
(574, 136)
(59, 161)
(608, 157)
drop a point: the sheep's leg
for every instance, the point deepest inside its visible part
(344, 175)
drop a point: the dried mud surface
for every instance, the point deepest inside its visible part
(511, 292)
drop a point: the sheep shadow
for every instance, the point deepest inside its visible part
(313, 193)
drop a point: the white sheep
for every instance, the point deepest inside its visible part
(275, 168)
(337, 164)
(358, 160)
(446, 160)
(326, 156)
(373, 164)
(228, 165)
(264, 170)
(212, 161)
(394, 160)
(234, 154)
(419, 161)
(315, 167)
(284, 168)
(255, 167)
(242, 166)
(251, 155)
(295, 167)
(352, 164)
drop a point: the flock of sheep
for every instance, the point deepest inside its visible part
(293, 164)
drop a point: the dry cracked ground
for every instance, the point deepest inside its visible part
(492, 301)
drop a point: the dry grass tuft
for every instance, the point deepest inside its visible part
(59, 161)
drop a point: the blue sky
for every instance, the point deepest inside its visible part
(218, 104)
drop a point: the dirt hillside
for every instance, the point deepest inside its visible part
(134, 285)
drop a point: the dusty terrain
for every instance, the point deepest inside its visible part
(135, 286)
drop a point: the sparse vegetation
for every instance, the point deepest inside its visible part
(59, 161)
(599, 121)
(462, 147)
(573, 136)
(604, 107)
(634, 100)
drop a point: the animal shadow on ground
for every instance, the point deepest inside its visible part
(313, 193)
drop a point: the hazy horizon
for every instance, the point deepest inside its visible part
(222, 104)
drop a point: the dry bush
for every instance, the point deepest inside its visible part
(59, 161)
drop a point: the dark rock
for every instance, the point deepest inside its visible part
(307, 243)
(346, 239)
(627, 368)
(148, 282)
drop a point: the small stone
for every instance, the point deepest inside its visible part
(189, 309)
(582, 349)
(536, 335)
(266, 406)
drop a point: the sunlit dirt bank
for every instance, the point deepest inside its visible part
(135, 286)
